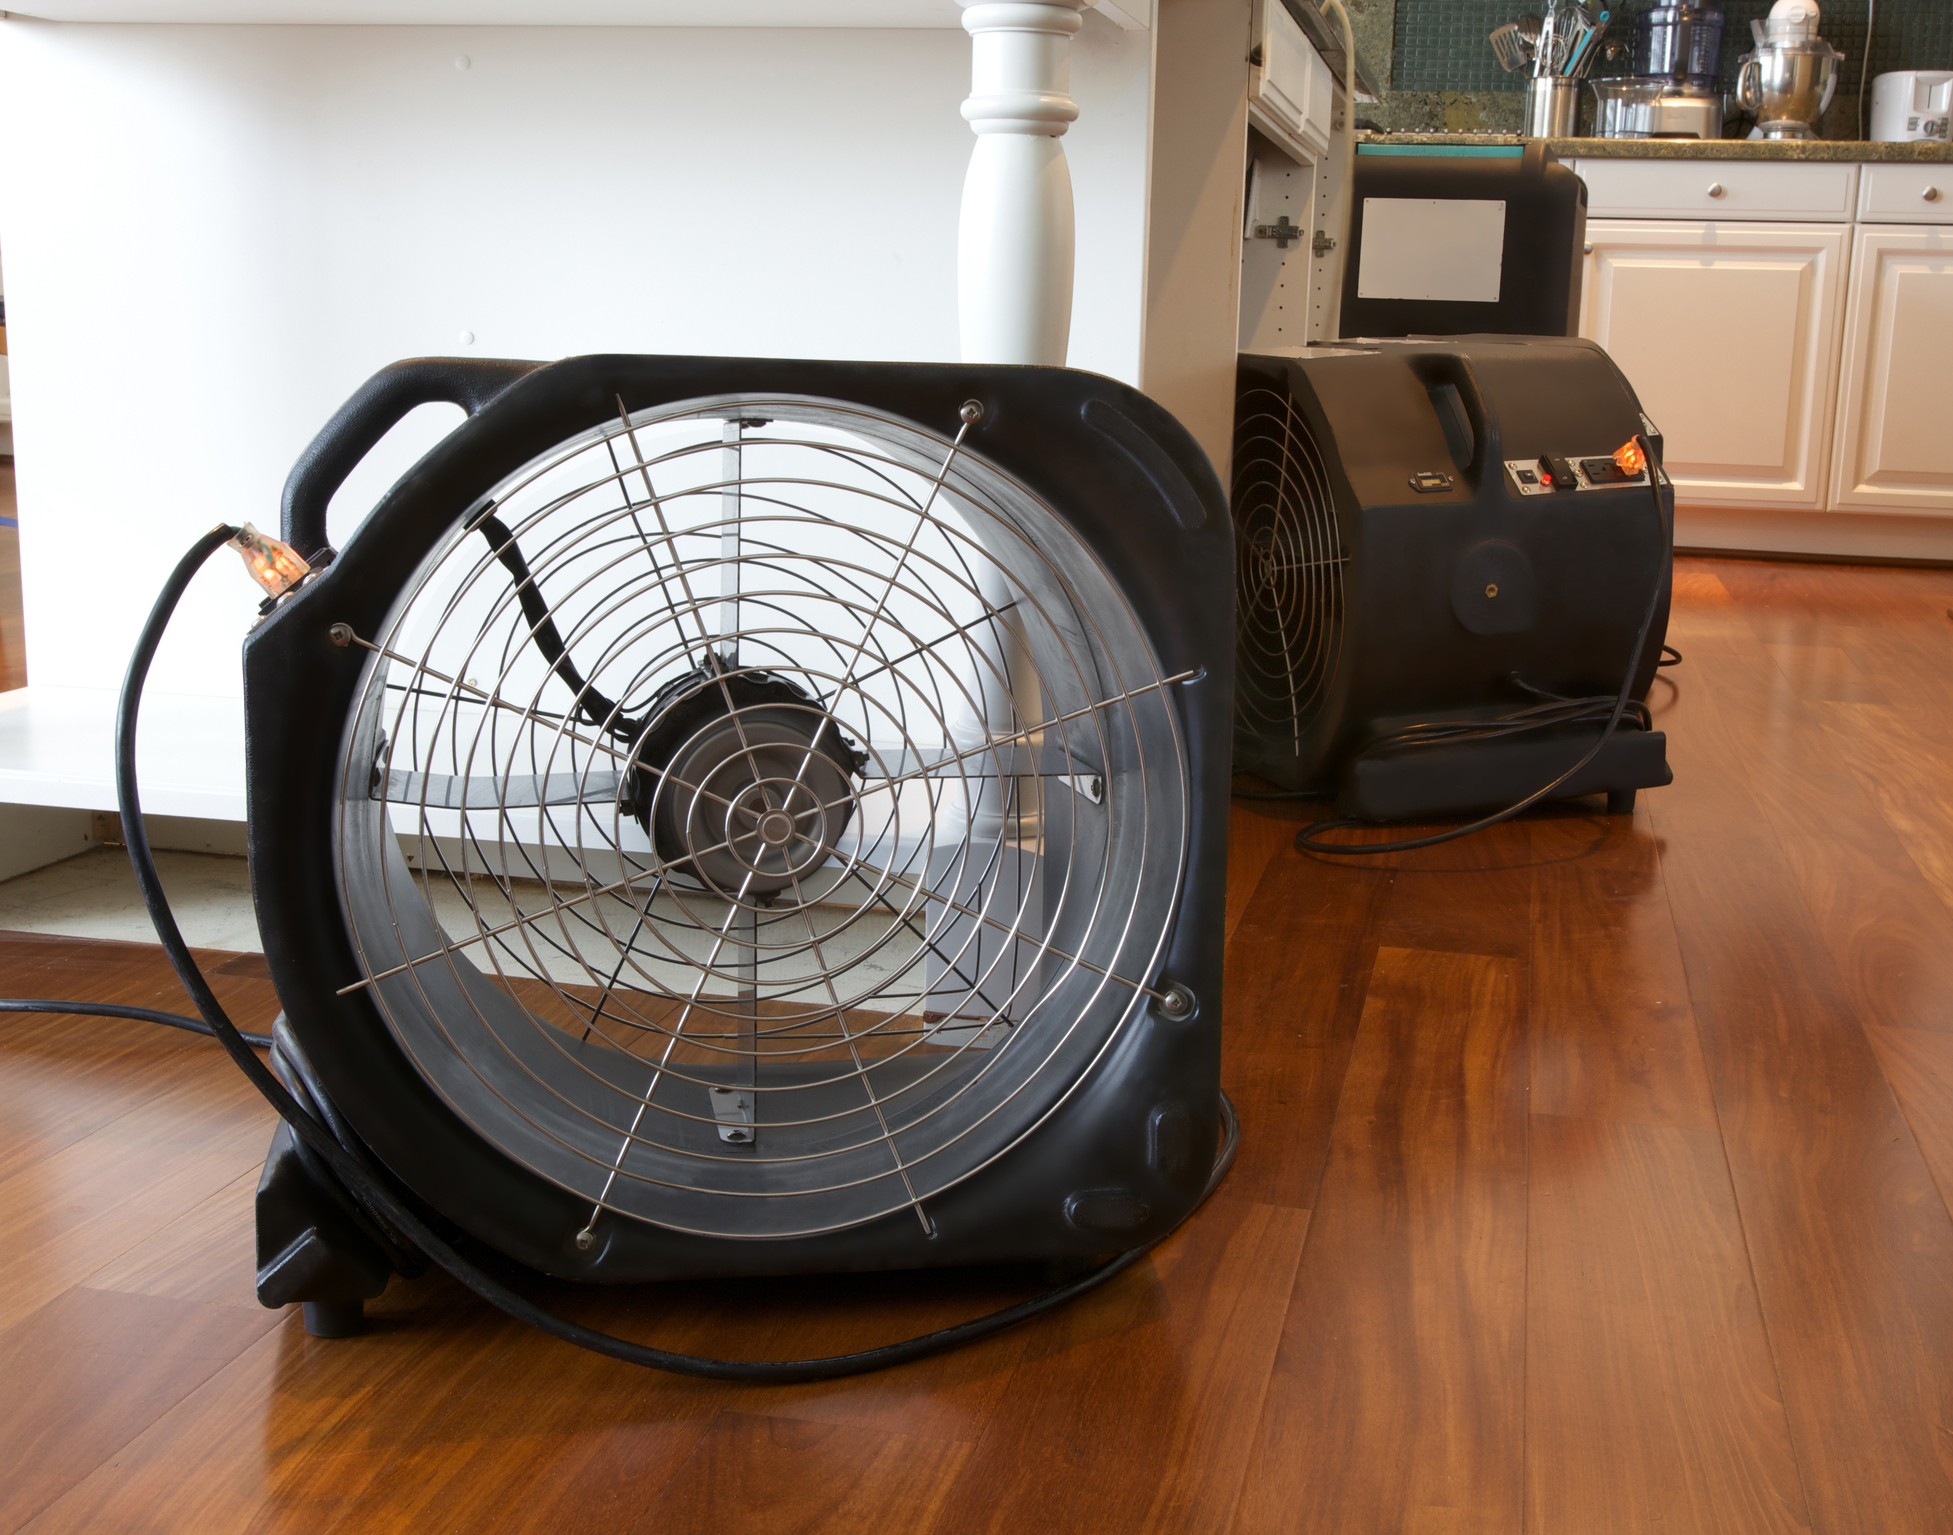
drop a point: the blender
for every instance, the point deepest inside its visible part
(1789, 79)
(1678, 48)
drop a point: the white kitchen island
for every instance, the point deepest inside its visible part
(220, 216)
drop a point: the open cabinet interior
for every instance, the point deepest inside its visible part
(1291, 266)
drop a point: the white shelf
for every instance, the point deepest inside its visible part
(1133, 15)
(57, 747)
(511, 13)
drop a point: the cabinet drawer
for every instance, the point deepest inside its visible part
(1719, 189)
(1906, 194)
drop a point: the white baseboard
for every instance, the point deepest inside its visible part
(34, 836)
(1845, 535)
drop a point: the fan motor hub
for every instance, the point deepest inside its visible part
(744, 782)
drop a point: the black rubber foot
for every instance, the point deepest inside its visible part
(335, 1318)
(1620, 802)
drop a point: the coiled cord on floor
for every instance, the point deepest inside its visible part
(371, 1187)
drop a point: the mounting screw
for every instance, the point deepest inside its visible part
(971, 413)
(585, 1240)
(1176, 1002)
(340, 635)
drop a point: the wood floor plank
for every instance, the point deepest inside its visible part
(952, 1396)
(89, 1371)
(1851, 1247)
(1824, 673)
(67, 1215)
(1651, 1396)
(1885, 927)
(207, 1254)
(1294, 991)
(1613, 1036)
(1909, 776)
(287, 1436)
(785, 1476)
(1257, 831)
(1919, 1065)
(546, 1437)
(1398, 1393)
(1133, 1409)
(66, 1075)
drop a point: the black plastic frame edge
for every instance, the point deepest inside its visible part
(1170, 547)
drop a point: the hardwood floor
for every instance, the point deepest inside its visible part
(1595, 1177)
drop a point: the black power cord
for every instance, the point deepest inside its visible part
(387, 1205)
(1305, 840)
(116, 1010)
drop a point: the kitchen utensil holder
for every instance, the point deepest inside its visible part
(1552, 104)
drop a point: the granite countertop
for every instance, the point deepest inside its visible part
(1849, 150)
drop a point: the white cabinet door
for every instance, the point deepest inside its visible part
(1729, 334)
(1895, 429)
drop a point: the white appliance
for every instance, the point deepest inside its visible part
(1910, 105)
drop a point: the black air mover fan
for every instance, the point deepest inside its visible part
(1442, 574)
(732, 817)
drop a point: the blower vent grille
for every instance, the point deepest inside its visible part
(1289, 563)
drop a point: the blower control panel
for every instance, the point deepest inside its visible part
(1551, 474)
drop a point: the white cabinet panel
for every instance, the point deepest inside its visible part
(1292, 86)
(1895, 427)
(1906, 194)
(1816, 191)
(1729, 334)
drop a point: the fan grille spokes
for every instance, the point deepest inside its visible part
(1289, 564)
(777, 838)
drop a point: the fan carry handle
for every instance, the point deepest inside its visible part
(1471, 431)
(374, 410)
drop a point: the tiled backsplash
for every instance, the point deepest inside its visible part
(1442, 73)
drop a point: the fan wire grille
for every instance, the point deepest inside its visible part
(836, 838)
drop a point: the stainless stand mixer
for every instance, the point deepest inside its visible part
(1790, 78)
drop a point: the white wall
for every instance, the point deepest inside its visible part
(214, 233)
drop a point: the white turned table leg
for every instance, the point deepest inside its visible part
(1015, 244)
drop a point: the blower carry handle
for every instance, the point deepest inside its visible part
(1471, 431)
(374, 410)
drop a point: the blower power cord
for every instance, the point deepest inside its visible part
(387, 1206)
(1305, 840)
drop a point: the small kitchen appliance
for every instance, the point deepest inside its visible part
(1677, 53)
(1911, 106)
(1681, 44)
(1684, 111)
(1790, 77)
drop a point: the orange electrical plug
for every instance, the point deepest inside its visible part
(1629, 458)
(274, 564)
